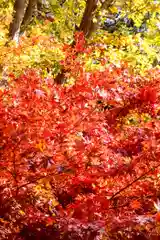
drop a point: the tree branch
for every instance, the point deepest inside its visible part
(137, 179)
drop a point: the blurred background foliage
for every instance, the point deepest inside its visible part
(126, 31)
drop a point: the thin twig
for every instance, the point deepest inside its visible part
(137, 179)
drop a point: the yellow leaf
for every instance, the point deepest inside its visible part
(113, 9)
(94, 20)
(22, 212)
(38, 188)
(54, 203)
(41, 145)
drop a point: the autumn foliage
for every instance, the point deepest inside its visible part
(82, 161)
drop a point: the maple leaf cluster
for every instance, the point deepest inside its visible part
(82, 161)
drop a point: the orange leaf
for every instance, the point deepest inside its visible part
(158, 217)
(135, 204)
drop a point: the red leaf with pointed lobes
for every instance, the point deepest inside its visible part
(47, 133)
(148, 94)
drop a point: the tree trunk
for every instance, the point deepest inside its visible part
(87, 24)
(32, 5)
(86, 27)
(19, 10)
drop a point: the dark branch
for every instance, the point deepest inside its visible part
(137, 179)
